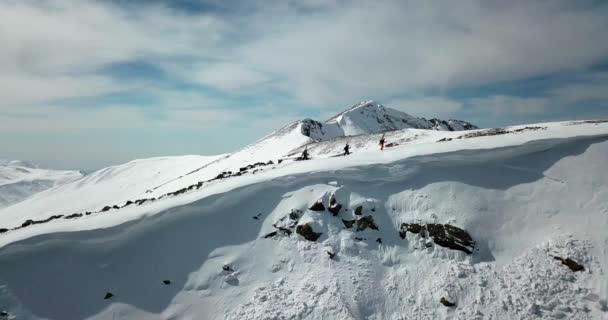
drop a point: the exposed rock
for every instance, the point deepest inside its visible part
(366, 222)
(108, 296)
(128, 203)
(349, 223)
(115, 207)
(74, 215)
(27, 223)
(317, 206)
(257, 216)
(573, 265)
(295, 214)
(444, 235)
(106, 208)
(359, 210)
(270, 235)
(447, 303)
(334, 206)
(227, 267)
(331, 254)
(3, 230)
(379, 240)
(167, 282)
(306, 231)
(3, 313)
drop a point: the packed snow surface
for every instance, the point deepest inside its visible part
(236, 246)
(20, 179)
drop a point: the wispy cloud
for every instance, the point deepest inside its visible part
(253, 64)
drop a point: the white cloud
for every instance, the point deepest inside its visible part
(503, 105)
(428, 107)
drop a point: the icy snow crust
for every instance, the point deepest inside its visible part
(524, 197)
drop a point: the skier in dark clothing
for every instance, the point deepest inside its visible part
(346, 149)
(382, 143)
(305, 155)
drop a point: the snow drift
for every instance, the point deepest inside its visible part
(368, 236)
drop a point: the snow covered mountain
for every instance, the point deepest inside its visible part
(20, 179)
(368, 117)
(505, 223)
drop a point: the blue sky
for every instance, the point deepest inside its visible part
(86, 84)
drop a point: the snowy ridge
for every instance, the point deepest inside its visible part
(236, 248)
(20, 179)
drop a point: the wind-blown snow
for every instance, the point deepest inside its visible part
(20, 179)
(525, 194)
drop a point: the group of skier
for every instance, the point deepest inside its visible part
(306, 156)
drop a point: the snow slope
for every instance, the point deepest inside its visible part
(19, 180)
(153, 178)
(109, 185)
(525, 195)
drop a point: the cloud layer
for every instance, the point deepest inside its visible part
(175, 64)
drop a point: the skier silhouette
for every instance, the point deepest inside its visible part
(346, 149)
(304, 155)
(382, 143)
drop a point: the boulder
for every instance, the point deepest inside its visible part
(27, 223)
(366, 222)
(447, 303)
(167, 282)
(359, 211)
(108, 295)
(3, 230)
(106, 208)
(317, 206)
(306, 231)
(334, 206)
(349, 223)
(443, 235)
(573, 265)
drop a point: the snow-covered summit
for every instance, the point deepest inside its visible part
(366, 117)
(21, 179)
(371, 117)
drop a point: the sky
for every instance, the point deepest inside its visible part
(87, 84)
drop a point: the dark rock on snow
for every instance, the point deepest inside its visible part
(307, 232)
(3, 313)
(359, 210)
(108, 296)
(447, 303)
(366, 222)
(226, 268)
(573, 265)
(3, 230)
(349, 223)
(334, 206)
(444, 235)
(379, 240)
(106, 208)
(317, 206)
(331, 254)
(270, 235)
(167, 282)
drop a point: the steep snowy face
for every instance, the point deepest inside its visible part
(20, 179)
(371, 117)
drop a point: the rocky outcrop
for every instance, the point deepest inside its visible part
(305, 230)
(334, 206)
(573, 265)
(317, 206)
(443, 235)
(366, 222)
(447, 303)
(108, 295)
(359, 211)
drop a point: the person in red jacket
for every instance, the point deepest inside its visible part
(382, 143)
